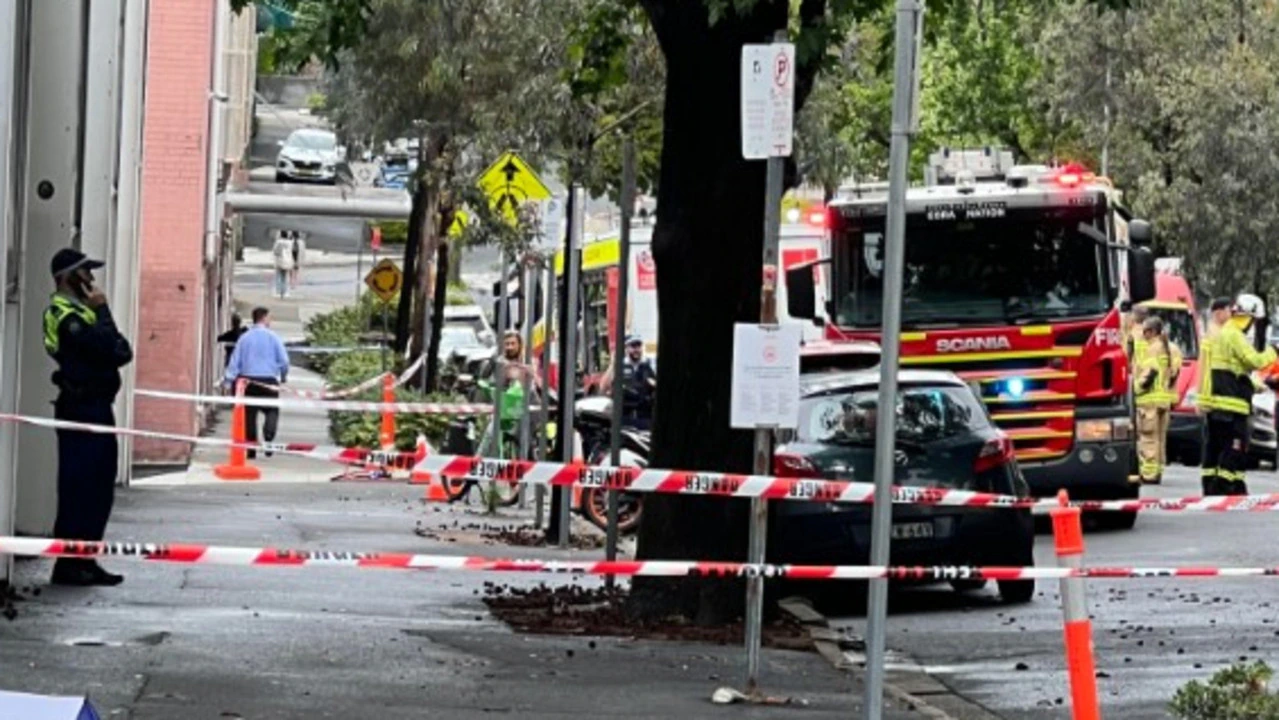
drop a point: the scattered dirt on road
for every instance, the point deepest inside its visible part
(574, 610)
(502, 534)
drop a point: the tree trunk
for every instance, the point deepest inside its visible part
(455, 263)
(432, 153)
(437, 320)
(707, 245)
(404, 310)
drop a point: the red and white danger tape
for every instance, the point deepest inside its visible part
(684, 482)
(389, 459)
(329, 394)
(425, 408)
(269, 556)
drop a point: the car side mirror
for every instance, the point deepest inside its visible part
(1141, 274)
(341, 151)
(1139, 233)
(801, 292)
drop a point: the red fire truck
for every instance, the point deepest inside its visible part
(1014, 279)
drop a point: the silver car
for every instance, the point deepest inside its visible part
(308, 155)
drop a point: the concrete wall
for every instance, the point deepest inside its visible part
(173, 292)
(290, 91)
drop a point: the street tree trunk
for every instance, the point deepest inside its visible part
(437, 320)
(432, 156)
(707, 246)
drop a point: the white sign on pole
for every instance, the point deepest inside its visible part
(768, 100)
(765, 376)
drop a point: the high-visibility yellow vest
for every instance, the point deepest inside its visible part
(60, 308)
(1227, 364)
(1154, 391)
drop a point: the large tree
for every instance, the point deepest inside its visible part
(1192, 124)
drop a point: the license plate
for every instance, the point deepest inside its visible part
(912, 531)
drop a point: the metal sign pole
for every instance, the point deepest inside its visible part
(528, 290)
(499, 370)
(619, 336)
(548, 318)
(885, 434)
(763, 436)
(568, 362)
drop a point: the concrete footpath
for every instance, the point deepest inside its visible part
(200, 642)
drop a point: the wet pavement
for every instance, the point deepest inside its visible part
(1152, 636)
(214, 642)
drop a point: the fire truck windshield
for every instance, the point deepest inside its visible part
(1025, 267)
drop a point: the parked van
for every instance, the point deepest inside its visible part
(1175, 303)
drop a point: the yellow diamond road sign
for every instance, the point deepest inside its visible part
(510, 182)
(460, 221)
(385, 279)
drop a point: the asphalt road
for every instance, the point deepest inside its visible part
(1151, 636)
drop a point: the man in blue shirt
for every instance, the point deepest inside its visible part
(260, 358)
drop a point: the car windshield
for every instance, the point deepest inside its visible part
(398, 162)
(1181, 330)
(1027, 266)
(924, 414)
(458, 336)
(312, 140)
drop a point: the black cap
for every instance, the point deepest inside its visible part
(1222, 303)
(68, 259)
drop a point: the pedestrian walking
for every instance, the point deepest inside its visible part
(260, 359)
(299, 257)
(229, 338)
(1152, 386)
(283, 257)
(82, 338)
(1225, 393)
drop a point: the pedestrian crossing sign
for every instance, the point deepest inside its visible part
(509, 183)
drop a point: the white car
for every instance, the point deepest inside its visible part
(310, 155)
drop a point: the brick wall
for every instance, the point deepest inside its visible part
(173, 292)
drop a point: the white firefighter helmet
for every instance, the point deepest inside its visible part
(1250, 305)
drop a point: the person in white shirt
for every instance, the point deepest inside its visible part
(283, 254)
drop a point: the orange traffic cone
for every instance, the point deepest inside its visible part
(387, 436)
(237, 467)
(435, 490)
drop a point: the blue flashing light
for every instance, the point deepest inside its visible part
(1015, 387)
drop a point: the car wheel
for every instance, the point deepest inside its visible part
(965, 586)
(1016, 592)
(281, 178)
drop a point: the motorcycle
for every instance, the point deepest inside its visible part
(593, 419)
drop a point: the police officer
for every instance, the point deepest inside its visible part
(639, 382)
(1152, 386)
(82, 338)
(1226, 390)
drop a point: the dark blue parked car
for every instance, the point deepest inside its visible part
(945, 439)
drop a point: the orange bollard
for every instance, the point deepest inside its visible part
(1068, 537)
(237, 467)
(387, 436)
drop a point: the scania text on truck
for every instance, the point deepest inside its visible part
(1014, 278)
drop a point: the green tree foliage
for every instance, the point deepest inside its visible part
(1193, 123)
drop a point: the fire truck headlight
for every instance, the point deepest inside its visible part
(1015, 387)
(792, 215)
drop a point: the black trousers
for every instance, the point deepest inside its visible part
(1225, 456)
(87, 464)
(255, 389)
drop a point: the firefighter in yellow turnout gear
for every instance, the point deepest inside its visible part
(1225, 392)
(1154, 374)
